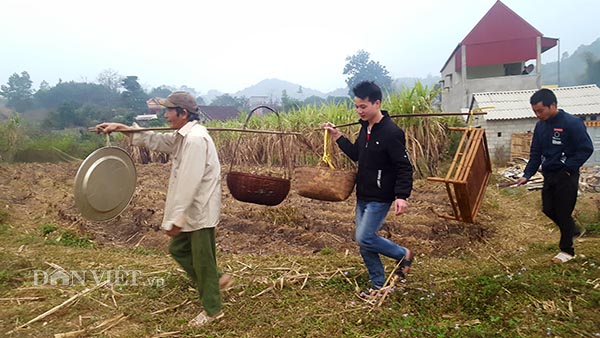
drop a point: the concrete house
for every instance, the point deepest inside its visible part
(510, 116)
(502, 52)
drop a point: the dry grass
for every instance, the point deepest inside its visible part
(499, 284)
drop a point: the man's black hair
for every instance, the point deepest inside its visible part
(191, 116)
(367, 89)
(545, 96)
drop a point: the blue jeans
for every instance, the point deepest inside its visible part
(369, 218)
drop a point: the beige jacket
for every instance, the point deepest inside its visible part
(194, 193)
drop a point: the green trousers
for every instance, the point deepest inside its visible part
(195, 251)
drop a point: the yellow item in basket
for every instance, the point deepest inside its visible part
(327, 149)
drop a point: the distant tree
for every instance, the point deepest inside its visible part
(162, 91)
(200, 101)
(110, 78)
(288, 103)
(224, 100)
(65, 116)
(44, 86)
(314, 100)
(189, 90)
(18, 92)
(360, 68)
(131, 84)
(125, 118)
(81, 93)
(243, 103)
(240, 103)
(134, 98)
(592, 73)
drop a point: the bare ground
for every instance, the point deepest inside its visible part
(43, 193)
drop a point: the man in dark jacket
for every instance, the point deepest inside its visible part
(561, 145)
(384, 178)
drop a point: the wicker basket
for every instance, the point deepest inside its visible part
(258, 189)
(324, 184)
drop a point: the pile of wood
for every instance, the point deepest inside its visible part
(589, 178)
(511, 174)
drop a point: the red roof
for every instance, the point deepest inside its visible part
(501, 36)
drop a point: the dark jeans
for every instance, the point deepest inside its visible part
(559, 195)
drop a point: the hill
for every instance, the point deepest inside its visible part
(572, 67)
(273, 88)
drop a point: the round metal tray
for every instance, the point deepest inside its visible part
(104, 184)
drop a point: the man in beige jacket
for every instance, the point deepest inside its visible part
(193, 204)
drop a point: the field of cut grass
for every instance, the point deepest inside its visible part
(495, 288)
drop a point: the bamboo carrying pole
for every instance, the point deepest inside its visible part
(290, 132)
(209, 128)
(135, 130)
(418, 115)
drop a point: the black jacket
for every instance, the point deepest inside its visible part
(559, 143)
(384, 169)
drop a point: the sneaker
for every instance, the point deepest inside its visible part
(404, 264)
(562, 257)
(367, 293)
(203, 318)
(370, 295)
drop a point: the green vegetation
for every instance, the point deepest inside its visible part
(48, 228)
(68, 145)
(593, 228)
(449, 298)
(487, 290)
(27, 143)
(428, 141)
(3, 216)
(69, 238)
(11, 137)
(145, 251)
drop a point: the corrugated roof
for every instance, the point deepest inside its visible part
(512, 105)
(221, 113)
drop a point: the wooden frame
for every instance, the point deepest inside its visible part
(468, 175)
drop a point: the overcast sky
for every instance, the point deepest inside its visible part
(230, 45)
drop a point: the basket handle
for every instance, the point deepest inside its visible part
(327, 155)
(283, 159)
